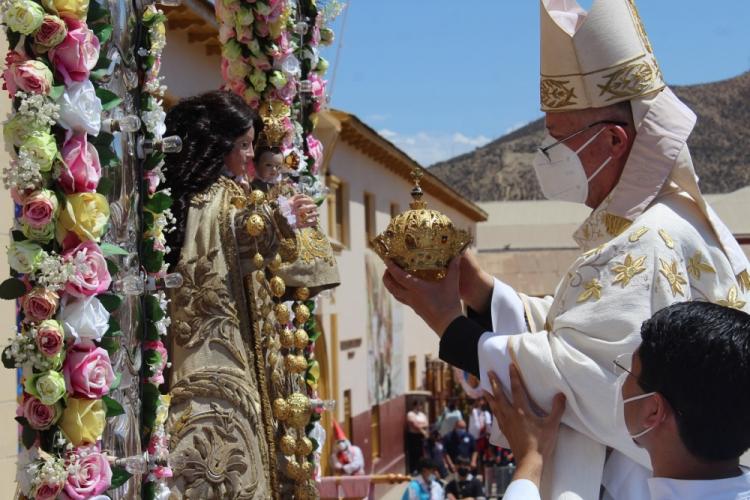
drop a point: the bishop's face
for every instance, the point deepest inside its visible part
(239, 159)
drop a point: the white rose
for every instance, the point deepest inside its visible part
(81, 109)
(84, 319)
(24, 256)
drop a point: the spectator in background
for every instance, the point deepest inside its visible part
(346, 458)
(478, 419)
(435, 451)
(424, 486)
(465, 485)
(417, 427)
(451, 415)
(460, 444)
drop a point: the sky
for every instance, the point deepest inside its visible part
(440, 78)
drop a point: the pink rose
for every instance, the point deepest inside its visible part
(315, 150)
(78, 53)
(91, 275)
(226, 32)
(39, 208)
(47, 491)
(237, 86)
(39, 415)
(157, 377)
(39, 304)
(88, 371)
(50, 34)
(91, 475)
(82, 170)
(24, 75)
(152, 180)
(262, 62)
(50, 337)
(162, 472)
(286, 93)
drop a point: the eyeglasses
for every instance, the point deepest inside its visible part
(588, 127)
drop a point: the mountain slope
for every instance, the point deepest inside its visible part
(720, 145)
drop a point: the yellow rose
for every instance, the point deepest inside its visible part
(83, 420)
(162, 410)
(85, 214)
(77, 8)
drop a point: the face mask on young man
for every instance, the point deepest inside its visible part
(560, 172)
(620, 407)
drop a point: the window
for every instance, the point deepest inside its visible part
(338, 211)
(370, 230)
(375, 431)
(412, 373)
(348, 414)
(395, 209)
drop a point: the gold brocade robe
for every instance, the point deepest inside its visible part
(222, 431)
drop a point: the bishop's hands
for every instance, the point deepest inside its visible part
(438, 303)
(474, 284)
(531, 437)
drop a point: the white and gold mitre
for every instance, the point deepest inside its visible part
(594, 59)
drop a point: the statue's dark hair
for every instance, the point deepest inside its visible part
(208, 125)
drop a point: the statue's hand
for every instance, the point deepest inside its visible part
(305, 210)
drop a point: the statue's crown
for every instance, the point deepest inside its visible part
(420, 240)
(596, 58)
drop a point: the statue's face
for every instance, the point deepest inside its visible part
(268, 166)
(239, 159)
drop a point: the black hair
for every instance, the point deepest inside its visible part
(426, 463)
(697, 355)
(208, 125)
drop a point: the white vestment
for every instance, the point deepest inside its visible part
(652, 243)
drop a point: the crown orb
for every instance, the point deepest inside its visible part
(255, 225)
(288, 445)
(287, 338)
(301, 338)
(278, 287)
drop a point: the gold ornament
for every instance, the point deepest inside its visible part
(288, 445)
(258, 260)
(282, 313)
(289, 362)
(275, 264)
(304, 447)
(302, 293)
(293, 470)
(277, 287)
(300, 410)
(421, 241)
(306, 491)
(260, 278)
(292, 160)
(301, 338)
(255, 225)
(300, 364)
(301, 314)
(307, 470)
(257, 197)
(287, 338)
(281, 409)
(273, 358)
(267, 329)
(273, 114)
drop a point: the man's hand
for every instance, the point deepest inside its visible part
(438, 303)
(305, 210)
(532, 438)
(474, 285)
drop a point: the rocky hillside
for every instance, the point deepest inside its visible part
(720, 145)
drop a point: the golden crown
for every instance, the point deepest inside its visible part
(273, 114)
(421, 241)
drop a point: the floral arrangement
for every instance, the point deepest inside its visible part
(61, 270)
(157, 219)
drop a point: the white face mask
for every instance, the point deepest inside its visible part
(560, 171)
(620, 409)
(343, 446)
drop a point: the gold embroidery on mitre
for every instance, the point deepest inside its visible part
(629, 81)
(641, 28)
(595, 251)
(744, 280)
(592, 290)
(557, 93)
(673, 276)
(628, 269)
(667, 239)
(696, 266)
(638, 234)
(732, 300)
(615, 224)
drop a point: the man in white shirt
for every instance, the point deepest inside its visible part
(685, 398)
